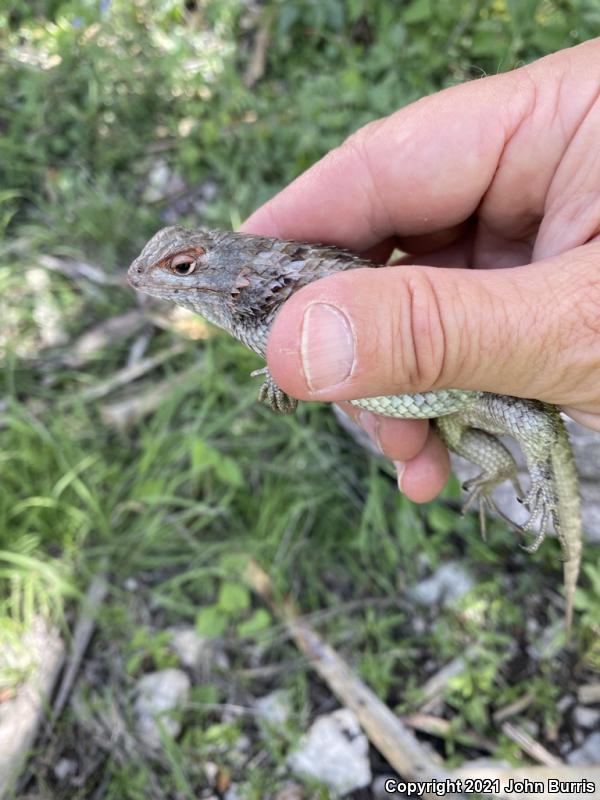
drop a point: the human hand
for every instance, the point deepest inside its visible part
(500, 172)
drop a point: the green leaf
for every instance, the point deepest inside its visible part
(441, 519)
(550, 38)
(287, 17)
(419, 11)
(258, 622)
(203, 455)
(229, 472)
(489, 44)
(233, 597)
(205, 693)
(452, 490)
(211, 622)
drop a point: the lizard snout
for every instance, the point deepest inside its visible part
(134, 275)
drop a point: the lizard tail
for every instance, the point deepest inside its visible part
(569, 517)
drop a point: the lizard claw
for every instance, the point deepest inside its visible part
(476, 495)
(541, 504)
(479, 491)
(271, 395)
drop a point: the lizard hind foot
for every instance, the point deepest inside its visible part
(540, 502)
(271, 395)
(543, 512)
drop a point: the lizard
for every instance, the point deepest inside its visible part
(240, 281)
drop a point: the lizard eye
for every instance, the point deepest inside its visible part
(183, 265)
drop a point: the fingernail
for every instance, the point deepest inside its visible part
(400, 467)
(371, 424)
(327, 346)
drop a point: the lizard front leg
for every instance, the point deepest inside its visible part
(271, 395)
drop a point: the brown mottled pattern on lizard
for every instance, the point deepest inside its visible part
(239, 282)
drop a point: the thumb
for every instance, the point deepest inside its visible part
(522, 331)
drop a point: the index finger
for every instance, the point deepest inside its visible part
(425, 168)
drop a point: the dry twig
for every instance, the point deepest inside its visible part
(131, 373)
(124, 413)
(528, 744)
(82, 634)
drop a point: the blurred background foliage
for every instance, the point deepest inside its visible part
(94, 92)
(118, 116)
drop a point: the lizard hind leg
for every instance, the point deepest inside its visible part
(271, 395)
(490, 455)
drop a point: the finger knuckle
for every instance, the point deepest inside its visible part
(419, 339)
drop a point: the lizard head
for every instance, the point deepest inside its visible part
(176, 263)
(197, 269)
(228, 278)
(235, 280)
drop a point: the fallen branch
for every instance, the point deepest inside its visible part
(131, 373)
(527, 743)
(438, 726)
(258, 60)
(40, 654)
(96, 338)
(82, 634)
(432, 690)
(512, 709)
(81, 269)
(122, 414)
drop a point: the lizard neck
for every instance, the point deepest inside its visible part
(251, 332)
(214, 312)
(254, 335)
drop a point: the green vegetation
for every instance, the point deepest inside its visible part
(117, 116)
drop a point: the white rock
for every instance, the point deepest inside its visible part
(549, 642)
(211, 770)
(194, 651)
(237, 753)
(564, 702)
(335, 751)
(588, 753)
(162, 182)
(447, 585)
(578, 738)
(586, 717)
(63, 768)
(274, 708)
(158, 694)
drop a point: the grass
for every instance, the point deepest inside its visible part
(97, 99)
